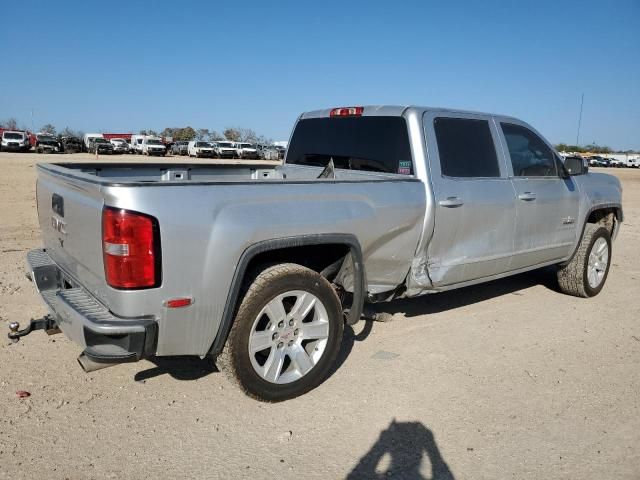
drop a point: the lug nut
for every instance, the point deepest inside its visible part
(291, 323)
(280, 345)
(290, 342)
(280, 324)
(274, 336)
(296, 332)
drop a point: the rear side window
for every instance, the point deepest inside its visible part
(466, 148)
(375, 144)
(530, 156)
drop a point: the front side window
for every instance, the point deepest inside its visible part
(466, 148)
(530, 156)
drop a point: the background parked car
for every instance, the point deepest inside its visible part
(120, 145)
(224, 149)
(153, 146)
(267, 152)
(88, 140)
(180, 148)
(200, 149)
(100, 145)
(281, 151)
(71, 144)
(246, 150)
(46, 143)
(15, 140)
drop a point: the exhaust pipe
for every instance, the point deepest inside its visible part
(89, 365)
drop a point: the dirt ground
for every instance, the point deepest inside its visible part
(505, 380)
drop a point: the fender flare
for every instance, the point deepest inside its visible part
(619, 218)
(359, 287)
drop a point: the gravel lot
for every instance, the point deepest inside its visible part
(505, 380)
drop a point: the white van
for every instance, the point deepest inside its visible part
(136, 143)
(153, 146)
(15, 140)
(200, 149)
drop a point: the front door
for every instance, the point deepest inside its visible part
(546, 203)
(474, 199)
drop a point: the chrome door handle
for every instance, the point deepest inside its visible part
(451, 202)
(527, 196)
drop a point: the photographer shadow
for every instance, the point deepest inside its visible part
(399, 453)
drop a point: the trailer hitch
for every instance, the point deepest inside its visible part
(46, 323)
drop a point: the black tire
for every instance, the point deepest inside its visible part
(235, 359)
(572, 277)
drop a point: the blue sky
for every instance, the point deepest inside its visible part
(126, 66)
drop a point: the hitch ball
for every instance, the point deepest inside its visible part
(13, 328)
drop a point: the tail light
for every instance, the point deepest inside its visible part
(131, 249)
(347, 112)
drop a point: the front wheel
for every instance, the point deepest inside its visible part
(286, 334)
(586, 273)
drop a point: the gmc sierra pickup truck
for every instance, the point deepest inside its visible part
(260, 266)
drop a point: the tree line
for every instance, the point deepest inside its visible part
(591, 148)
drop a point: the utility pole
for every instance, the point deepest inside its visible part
(580, 120)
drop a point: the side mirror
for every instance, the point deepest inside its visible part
(576, 165)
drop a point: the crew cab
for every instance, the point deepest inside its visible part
(260, 266)
(200, 149)
(16, 141)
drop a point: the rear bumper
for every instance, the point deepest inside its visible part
(105, 337)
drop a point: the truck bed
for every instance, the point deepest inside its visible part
(208, 216)
(133, 174)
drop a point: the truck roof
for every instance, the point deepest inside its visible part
(389, 111)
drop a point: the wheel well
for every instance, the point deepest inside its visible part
(316, 257)
(605, 216)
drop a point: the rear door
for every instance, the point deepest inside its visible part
(474, 199)
(546, 204)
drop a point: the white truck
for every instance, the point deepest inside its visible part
(153, 146)
(246, 150)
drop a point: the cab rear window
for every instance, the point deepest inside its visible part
(375, 144)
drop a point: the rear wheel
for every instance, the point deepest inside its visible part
(286, 334)
(586, 273)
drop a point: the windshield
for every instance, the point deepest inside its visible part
(246, 145)
(202, 144)
(225, 144)
(377, 144)
(153, 141)
(13, 136)
(100, 140)
(46, 138)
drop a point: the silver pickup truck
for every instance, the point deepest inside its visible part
(260, 266)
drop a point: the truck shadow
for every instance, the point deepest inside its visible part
(462, 297)
(399, 453)
(179, 368)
